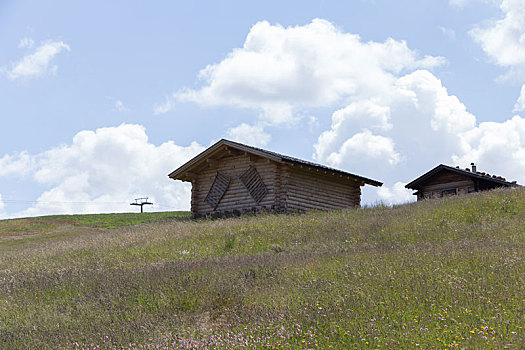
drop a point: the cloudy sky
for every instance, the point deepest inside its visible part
(100, 100)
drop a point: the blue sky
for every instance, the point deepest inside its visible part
(101, 100)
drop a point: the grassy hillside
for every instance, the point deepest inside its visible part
(439, 274)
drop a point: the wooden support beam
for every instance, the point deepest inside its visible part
(251, 157)
(190, 174)
(214, 163)
(228, 151)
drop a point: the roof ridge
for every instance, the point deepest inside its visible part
(466, 171)
(279, 156)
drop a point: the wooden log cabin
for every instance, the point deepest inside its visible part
(445, 180)
(230, 178)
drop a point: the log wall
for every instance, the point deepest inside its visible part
(236, 197)
(446, 183)
(307, 190)
(290, 188)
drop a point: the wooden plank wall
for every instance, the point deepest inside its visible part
(306, 190)
(444, 181)
(445, 177)
(236, 197)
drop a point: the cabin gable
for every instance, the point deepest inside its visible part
(446, 183)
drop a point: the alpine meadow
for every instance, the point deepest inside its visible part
(444, 273)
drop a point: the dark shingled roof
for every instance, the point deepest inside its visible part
(476, 175)
(176, 174)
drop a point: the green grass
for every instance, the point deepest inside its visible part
(437, 274)
(51, 222)
(38, 229)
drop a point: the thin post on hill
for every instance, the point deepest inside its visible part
(141, 202)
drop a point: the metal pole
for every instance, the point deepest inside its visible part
(141, 202)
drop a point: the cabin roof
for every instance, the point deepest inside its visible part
(416, 184)
(180, 173)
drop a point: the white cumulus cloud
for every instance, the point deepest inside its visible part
(164, 107)
(18, 164)
(396, 194)
(411, 121)
(425, 126)
(449, 32)
(504, 40)
(520, 103)
(26, 43)
(393, 118)
(38, 62)
(250, 134)
(364, 147)
(119, 107)
(103, 170)
(499, 147)
(282, 69)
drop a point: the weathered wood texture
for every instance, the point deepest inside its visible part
(237, 197)
(446, 183)
(445, 177)
(306, 190)
(253, 182)
(287, 188)
(217, 190)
